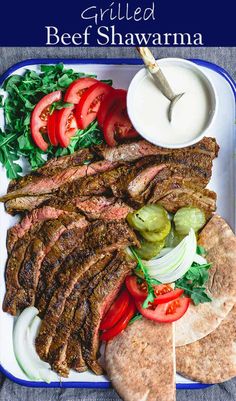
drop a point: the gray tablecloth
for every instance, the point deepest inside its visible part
(226, 57)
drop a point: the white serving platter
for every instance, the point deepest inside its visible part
(223, 183)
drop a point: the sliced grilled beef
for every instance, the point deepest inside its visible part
(54, 166)
(25, 203)
(46, 237)
(74, 356)
(68, 241)
(25, 261)
(100, 238)
(29, 221)
(38, 185)
(138, 185)
(81, 264)
(100, 300)
(14, 292)
(58, 349)
(180, 197)
(137, 150)
(100, 235)
(100, 207)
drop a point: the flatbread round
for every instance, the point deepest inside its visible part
(220, 243)
(140, 362)
(212, 359)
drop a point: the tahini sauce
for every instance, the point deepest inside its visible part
(191, 112)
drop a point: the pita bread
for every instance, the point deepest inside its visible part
(199, 321)
(140, 362)
(212, 359)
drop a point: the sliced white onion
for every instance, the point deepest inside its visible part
(175, 263)
(24, 334)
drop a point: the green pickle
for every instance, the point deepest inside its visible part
(149, 218)
(149, 250)
(173, 239)
(155, 236)
(187, 218)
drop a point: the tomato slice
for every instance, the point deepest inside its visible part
(66, 126)
(109, 101)
(165, 313)
(52, 128)
(116, 311)
(121, 324)
(77, 88)
(39, 118)
(165, 293)
(87, 109)
(117, 124)
(136, 289)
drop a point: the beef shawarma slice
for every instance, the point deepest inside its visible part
(68, 241)
(68, 322)
(58, 350)
(99, 302)
(38, 185)
(181, 197)
(200, 320)
(17, 250)
(84, 261)
(24, 263)
(74, 355)
(29, 221)
(139, 149)
(101, 207)
(213, 358)
(39, 247)
(25, 203)
(99, 235)
(140, 362)
(100, 238)
(53, 166)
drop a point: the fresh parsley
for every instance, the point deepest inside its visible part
(193, 283)
(138, 316)
(23, 93)
(201, 251)
(149, 280)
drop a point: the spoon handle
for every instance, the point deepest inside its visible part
(156, 72)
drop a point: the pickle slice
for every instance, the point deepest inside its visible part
(155, 236)
(173, 239)
(149, 218)
(149, 250)
(189, 217)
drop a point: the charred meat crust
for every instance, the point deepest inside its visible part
(100, 300)
(58, 350)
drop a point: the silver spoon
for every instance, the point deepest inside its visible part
(159, 78)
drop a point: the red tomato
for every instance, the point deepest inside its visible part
(163, 292)
(77, 88)
(138, 291)
(52, 127)
(39, 118)
(86, 110)
(116, 311)
(66, 127)
(117, 125)
(165, 313)
(109, 101)
(122, 323)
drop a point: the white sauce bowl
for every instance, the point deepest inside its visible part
(193, 114)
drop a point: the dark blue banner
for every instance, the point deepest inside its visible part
(118, 23)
